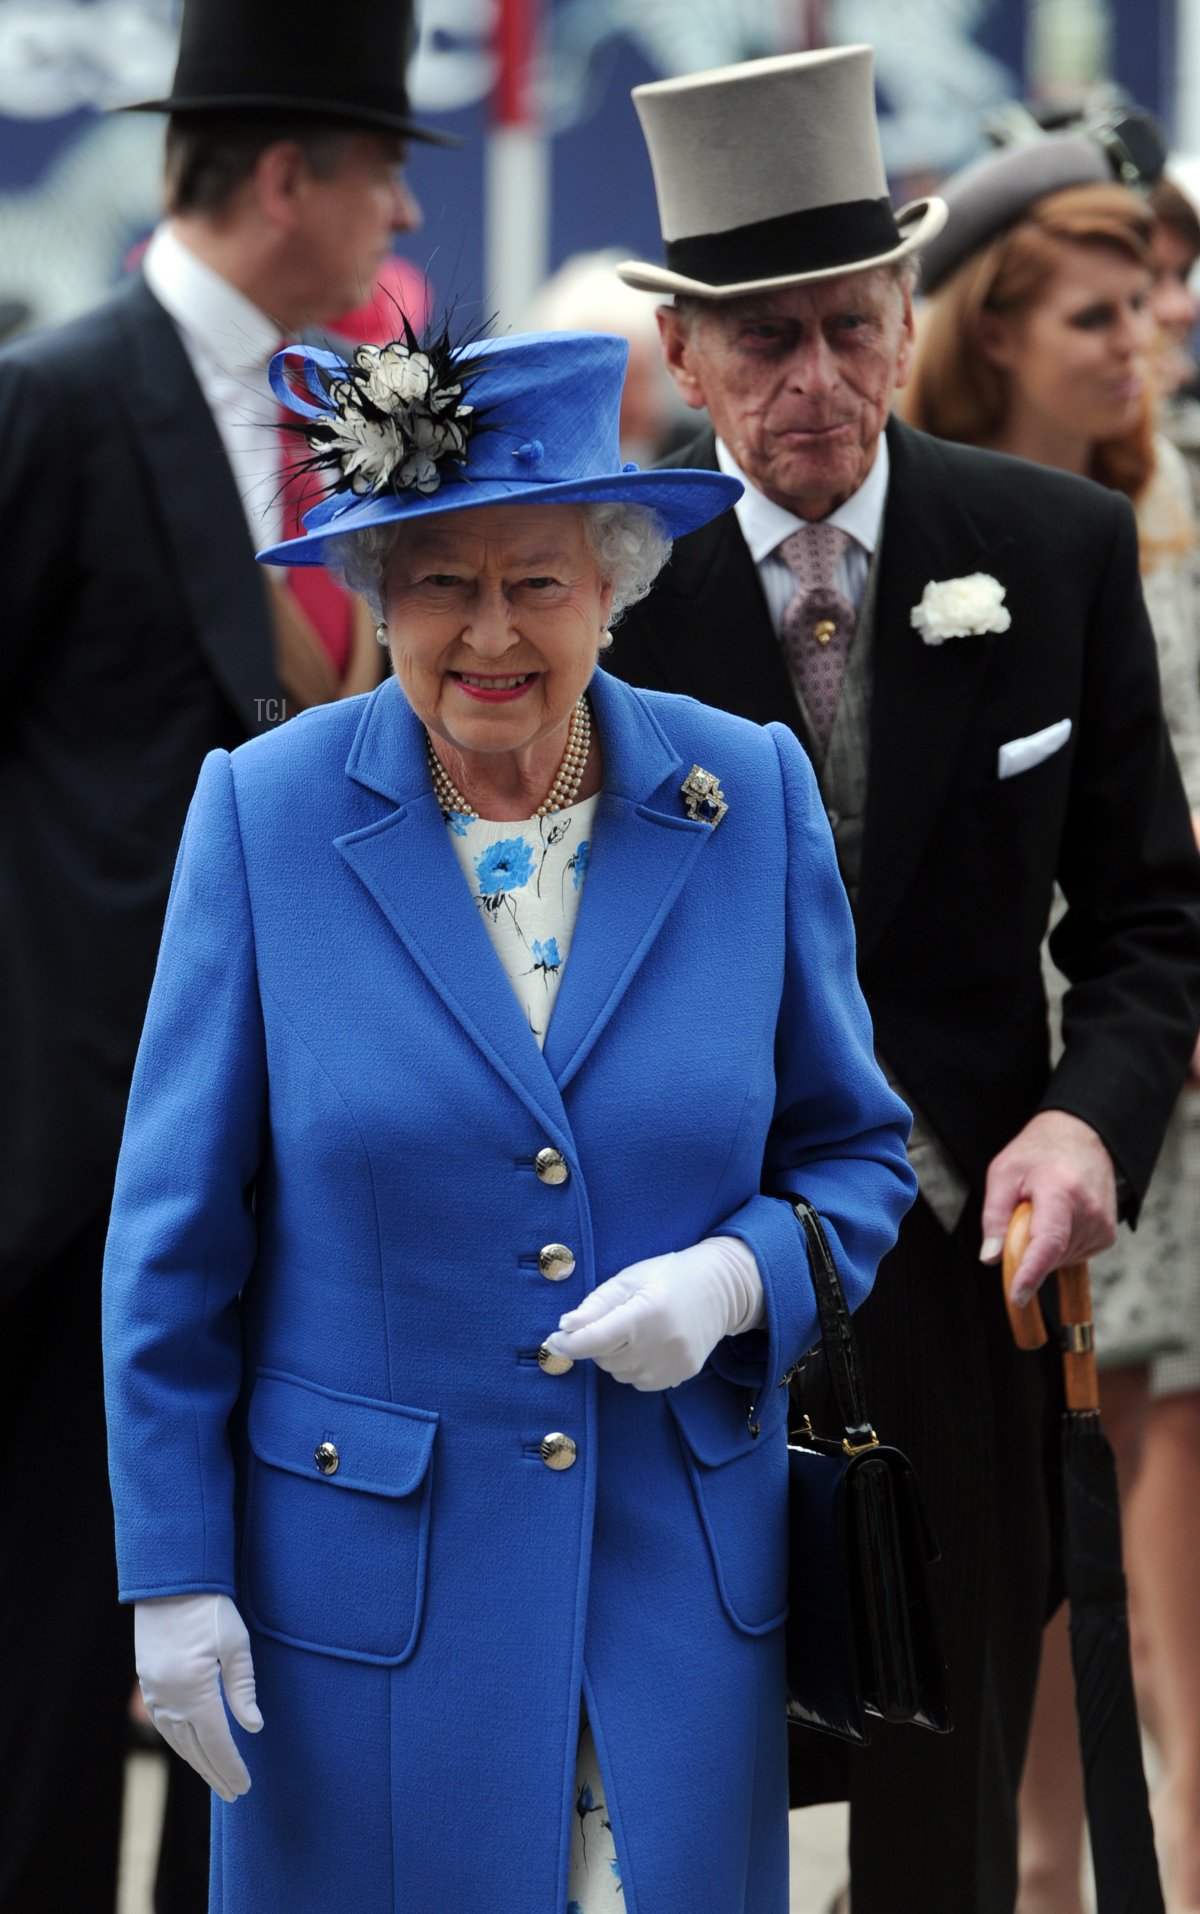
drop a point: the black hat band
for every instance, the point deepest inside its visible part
(818, 240)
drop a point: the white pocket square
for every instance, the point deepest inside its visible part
(1021, 754)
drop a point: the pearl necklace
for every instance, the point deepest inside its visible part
(563, 791)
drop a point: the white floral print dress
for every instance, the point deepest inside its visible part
(526, 880)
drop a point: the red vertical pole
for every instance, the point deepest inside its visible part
(518, 182)
(515, 41)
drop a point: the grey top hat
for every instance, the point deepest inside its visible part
(991, 194)
(769, 174)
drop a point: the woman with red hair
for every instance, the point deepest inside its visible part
(1038, 338)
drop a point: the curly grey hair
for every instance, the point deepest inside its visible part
(627, 542)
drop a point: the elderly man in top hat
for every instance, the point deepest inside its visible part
(960, 642)
(139, 470)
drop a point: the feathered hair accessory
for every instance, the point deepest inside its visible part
(390, 418)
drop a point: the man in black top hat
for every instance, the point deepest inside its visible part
(139, 468)
(959, 641)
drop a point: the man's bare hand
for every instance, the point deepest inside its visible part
(1060, 1164)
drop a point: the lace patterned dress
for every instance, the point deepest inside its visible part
(526, 879)
(1146, 1289)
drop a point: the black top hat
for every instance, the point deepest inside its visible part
(342, 62)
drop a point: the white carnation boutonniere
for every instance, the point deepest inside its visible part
(960, 608)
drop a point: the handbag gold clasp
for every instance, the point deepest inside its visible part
(857, 1448)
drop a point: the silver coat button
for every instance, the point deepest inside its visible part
(558, 1451)
(555, 1261)
(326, 1458)
(551, 1166)
(553, 1365)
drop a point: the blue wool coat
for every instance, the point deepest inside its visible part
(326, 1230)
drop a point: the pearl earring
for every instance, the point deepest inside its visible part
(381, 633)
(606, 639)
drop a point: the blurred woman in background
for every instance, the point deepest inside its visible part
(1038, 339)
(1162, 1532)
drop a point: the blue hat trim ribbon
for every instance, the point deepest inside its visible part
(307, 358)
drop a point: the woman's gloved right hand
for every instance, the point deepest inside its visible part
(189, 1647)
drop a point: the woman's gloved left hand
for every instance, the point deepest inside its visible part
(191, 1650)
(656, 1323)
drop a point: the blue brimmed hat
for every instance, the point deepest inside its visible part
(412, 430)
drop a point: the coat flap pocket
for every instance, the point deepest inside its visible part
(743, 1510)
(349, 1441)
(713, 1417)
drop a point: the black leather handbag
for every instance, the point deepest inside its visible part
(862, 1635)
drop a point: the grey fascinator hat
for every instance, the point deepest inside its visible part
(1117, 144)
(992, 194)
(770, 173)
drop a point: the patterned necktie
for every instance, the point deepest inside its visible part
(818, 623)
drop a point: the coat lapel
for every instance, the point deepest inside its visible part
(924, 696)
(201, 512)
(407, 863)
(641, 856)
(724, 648)
(644, 848)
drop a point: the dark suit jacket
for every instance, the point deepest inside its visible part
(958, 867)
(134, 637)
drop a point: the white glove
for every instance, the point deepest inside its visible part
(188, 1647)
(656, 1323)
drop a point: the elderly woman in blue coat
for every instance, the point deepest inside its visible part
(453, 1278)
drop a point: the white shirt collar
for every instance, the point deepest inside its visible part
(764, 525)
(217, 320)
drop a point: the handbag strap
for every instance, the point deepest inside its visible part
(837, 1333)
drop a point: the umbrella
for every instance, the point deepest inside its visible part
(1118, 1805)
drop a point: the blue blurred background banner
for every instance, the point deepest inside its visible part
(79, 185)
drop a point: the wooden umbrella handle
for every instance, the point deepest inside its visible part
(1075, 1309)
(1080, 1381)
(1028, 1326)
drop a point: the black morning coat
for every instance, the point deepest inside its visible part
(958, 866)
(134, 638)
